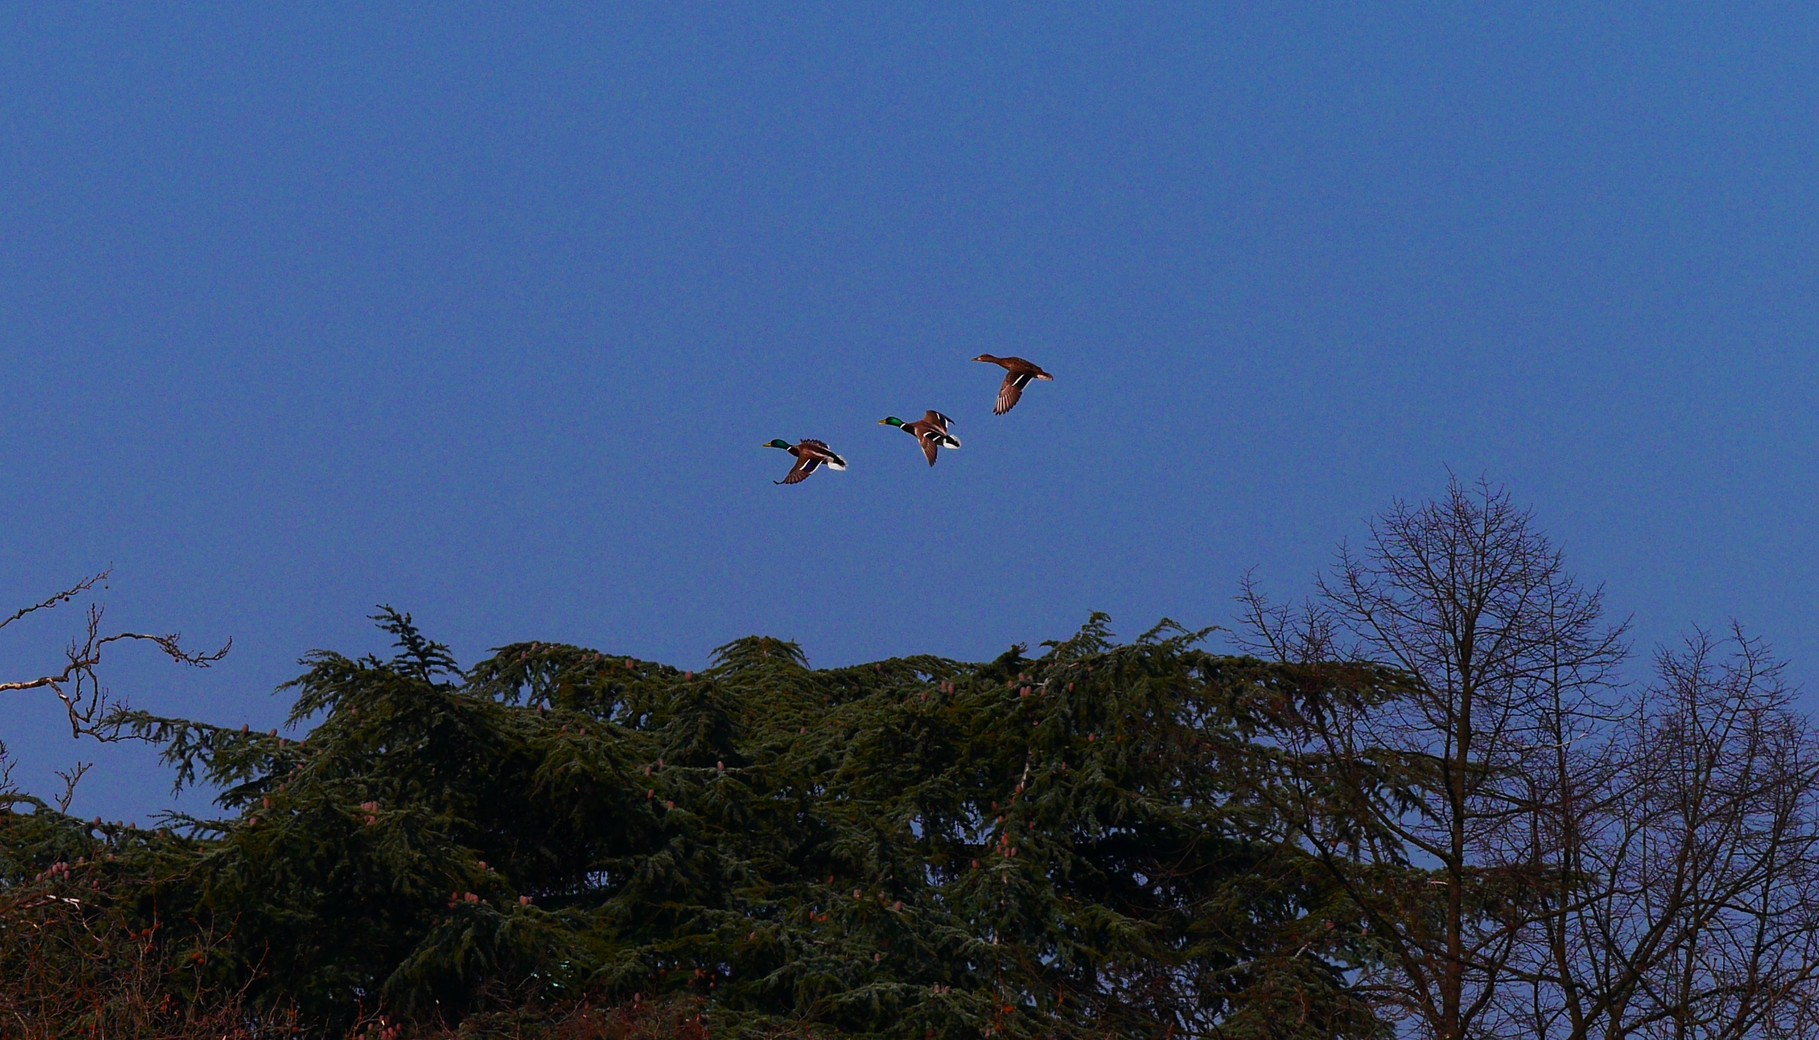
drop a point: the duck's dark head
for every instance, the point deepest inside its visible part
(779, 443)
(890, 420)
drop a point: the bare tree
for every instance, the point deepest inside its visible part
(1509, 664)
(76, 685)
(1689, 902)
(1538, 851)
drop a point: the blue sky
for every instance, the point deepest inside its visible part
(485, 314)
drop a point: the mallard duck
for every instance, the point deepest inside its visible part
(810, 456)
(1017, 375)
(930, 431)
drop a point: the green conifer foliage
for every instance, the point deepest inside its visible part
(1074, 844)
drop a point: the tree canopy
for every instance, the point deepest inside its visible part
(1082, 842)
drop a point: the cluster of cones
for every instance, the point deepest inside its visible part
(931, 431)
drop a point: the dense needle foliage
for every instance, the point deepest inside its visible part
(1079, 843)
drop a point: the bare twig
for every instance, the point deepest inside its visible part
(70, 777)
(77, 685)
(62, 597)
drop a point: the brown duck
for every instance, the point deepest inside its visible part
(930, 431)
(1017, 375)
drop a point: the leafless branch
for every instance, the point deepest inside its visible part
(65, 596)
(77, 685)
(70, 777)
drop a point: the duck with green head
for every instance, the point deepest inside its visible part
(810, 454)
(930, 431)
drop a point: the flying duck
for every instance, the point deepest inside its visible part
(810, 456)
(1017, 375)
(930, 431)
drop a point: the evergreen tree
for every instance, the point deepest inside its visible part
(1080, 843)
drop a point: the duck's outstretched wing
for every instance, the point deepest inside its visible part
(1009, 391)
(806, 463)
(1017, 375)
(930, 439)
